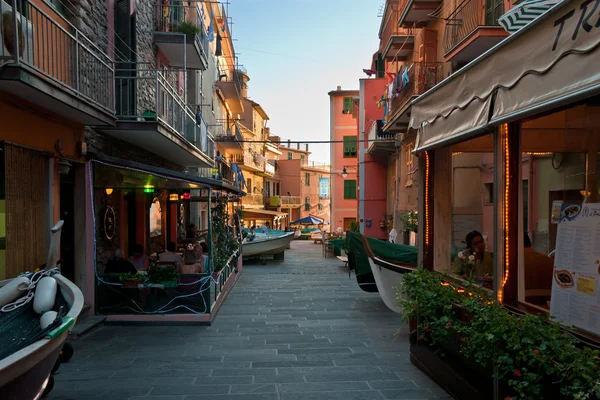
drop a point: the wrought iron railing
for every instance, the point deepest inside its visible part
(466, 18)
(390, 27)
(377, 134)
(154, 95)
(179, 18)
(230, 75)
(56, 50)
(413, 80)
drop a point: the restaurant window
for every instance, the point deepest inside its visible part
(307, 179)
(349, 146)
(350, 189)
(290, 155)
(556, 181)
(463, 179)
(347, 105)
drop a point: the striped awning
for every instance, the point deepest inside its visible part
(522, 14)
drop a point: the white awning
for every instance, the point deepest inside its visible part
(524, 13)
(549, 63)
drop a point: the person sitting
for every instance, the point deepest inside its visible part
(475, 261)
(200, 249)
(118, 265)
(139, 259)
(538, 273)
(251, 236)
(170, 256)
(190, 265)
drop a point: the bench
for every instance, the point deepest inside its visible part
(343, 259)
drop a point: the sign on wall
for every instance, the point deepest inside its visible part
(324, 187)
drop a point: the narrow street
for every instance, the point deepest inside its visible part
(297, 330)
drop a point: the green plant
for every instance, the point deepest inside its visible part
(223, 241)
(410, 221)
(354, 226)
(533, 355)
(188, 28)
(132, 277)
(158, 274)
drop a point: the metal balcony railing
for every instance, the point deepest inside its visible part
(253, 199)
(390, 28)
(376, 133)
(57, 51)
(290, 200)
(413, 81)
(180, 19)
(153, 95)
(231, 75)
(270, 167)
(467, 17)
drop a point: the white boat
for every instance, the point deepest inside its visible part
(387, 274)
(267, 244)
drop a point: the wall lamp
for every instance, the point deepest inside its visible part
(344, 172)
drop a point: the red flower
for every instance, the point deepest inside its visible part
(517, 372)
(536, 351)
(462, 340)
(426, 329)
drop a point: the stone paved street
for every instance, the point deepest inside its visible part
(298, 330)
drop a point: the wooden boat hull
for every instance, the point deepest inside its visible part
(24, 374)
(268, 246)
(386, 276)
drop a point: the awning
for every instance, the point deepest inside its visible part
(551, 62)
(524, 13)
(262, 213)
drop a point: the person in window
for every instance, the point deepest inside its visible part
(118, 265)
(475, 261)
(139, 259)
(170, 255)
(190, 265)
(538, 274)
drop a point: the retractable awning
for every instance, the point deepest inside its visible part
(524, 13)
(551, 62)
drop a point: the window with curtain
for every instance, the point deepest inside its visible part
(350, 189)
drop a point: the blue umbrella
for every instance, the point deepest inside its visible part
(310, 220)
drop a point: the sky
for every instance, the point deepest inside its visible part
(296, 51)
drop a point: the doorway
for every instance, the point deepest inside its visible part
(67, 214)
(347, 223)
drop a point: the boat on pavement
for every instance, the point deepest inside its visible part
(270, 243)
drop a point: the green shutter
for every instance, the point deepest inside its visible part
(350, 189)
(350, 146)
(347, 105)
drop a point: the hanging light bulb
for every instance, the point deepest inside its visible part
(344, 173)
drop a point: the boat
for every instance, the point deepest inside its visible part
(387, 274)
(25, 373)
(359, 262)
(266, 244)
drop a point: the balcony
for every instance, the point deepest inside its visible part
(254, 162)
(396, 43)
(232, 140)
(181, 37)
(56, 68)
(253, 199)
(230, 83)
(284, 201)
(417, 12)
(472, 29)
(410, 83)
(221, 172)
(381, 143)
(152, 115)
(270, 168)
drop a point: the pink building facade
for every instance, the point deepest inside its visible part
(344, 157)
(372, 196)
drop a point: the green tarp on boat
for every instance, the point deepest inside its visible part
(358, 259)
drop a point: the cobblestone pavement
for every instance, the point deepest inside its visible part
(297, 330)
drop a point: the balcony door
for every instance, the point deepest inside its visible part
(493, 10)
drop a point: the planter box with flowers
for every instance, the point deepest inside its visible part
(532, 356)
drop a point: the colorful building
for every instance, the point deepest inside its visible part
(344, 158)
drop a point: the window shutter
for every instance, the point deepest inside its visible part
(347, 105)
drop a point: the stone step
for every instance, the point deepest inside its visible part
(86, 323)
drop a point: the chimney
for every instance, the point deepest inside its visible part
(244, 84)
(306, 146)
(289, 144)
(298, 145)
(339, 88)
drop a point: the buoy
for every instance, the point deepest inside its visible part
(13, 290)
(47, 319)
(45, 295)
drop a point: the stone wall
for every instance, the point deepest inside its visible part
(145, 14)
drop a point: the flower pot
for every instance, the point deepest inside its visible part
(130, 283)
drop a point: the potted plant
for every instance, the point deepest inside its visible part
(131, 280)
(149, 115)
(410, 223)
(188, 28)
(163, 275)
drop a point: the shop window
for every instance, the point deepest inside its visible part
(349, 146)
(555, 180)
(350, 189)
(464, 175)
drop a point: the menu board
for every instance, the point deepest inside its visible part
(575, 290)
